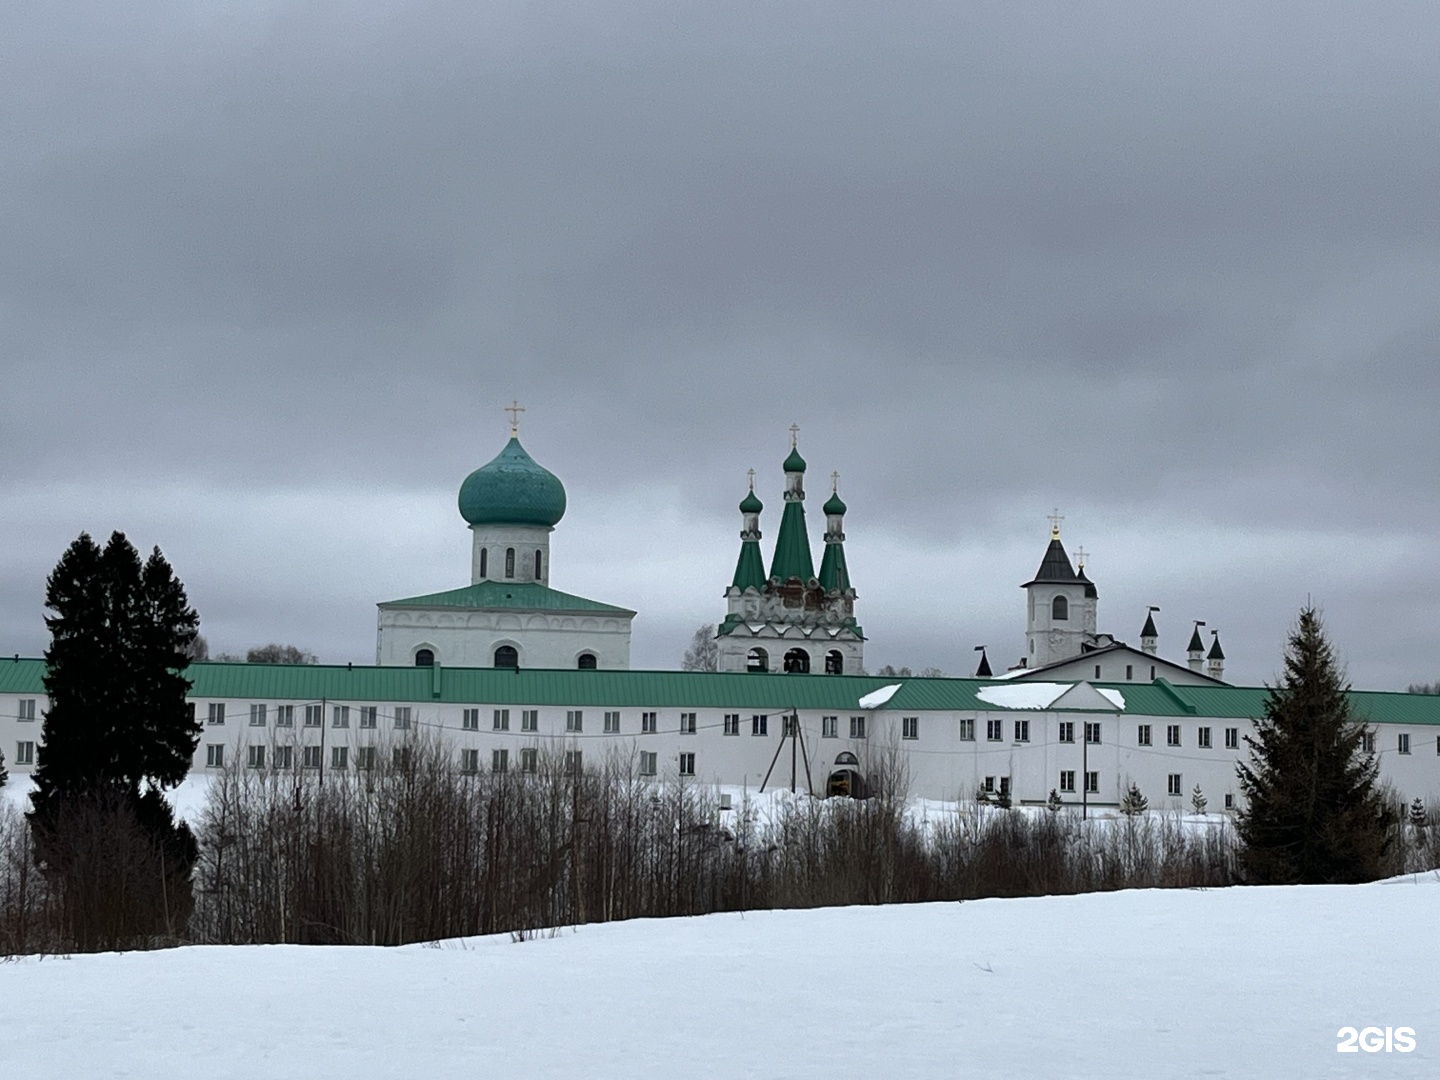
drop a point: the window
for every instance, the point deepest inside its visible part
(647, 723)
(310, 757)
(507, 656)
(1142, 737)
(365, 757)
(214, 755)
(257, 715)
(1229, 800)
(1402, 742)
(732, 723)
(1172, 734)
(509, 564)
(537, 564)
(1004, 785)
(967, 728)
(910, 727)
(758, 725)
(787, 725)
(1097, 671)
(1129, 672)
(647, 763)
(687, 764)
(529, 719)
(27, 709)
(829, 727)
(1092, 733)
(757, 660)
(1232, 738)
(255, 757)
(313, 716)
(25, 753)
(530, 760)
(1172, 784)
(1202, 738)
(574, 762)
(424, 657)
(339, 757)
(797, 661)
(1092, 783)
(834, 663)
(217, 713)
(612, 723)
(369, 716)
(284, 757)
(687, 723)
(284, 715)
(994, 730)
(586, 662)
(1060, 609)
(340, 716)
(1022, 730)
(469, 761)
(857, 727)
(1067, 731)
(470, 720)
(400, 758)
(500, 721)
(574, 720)
(484, 563)
(1152, 672)
(1367, 742)
(499, 761)
(402, 717)
(989, 784)
(1067, 780)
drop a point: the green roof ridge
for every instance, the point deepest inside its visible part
(792, 557)
(520, 595)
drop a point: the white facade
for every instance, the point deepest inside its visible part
(470, 637)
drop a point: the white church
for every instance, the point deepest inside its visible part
(508, 673)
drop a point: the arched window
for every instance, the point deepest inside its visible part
(1060, 609)
(424, 658)
(509, 562)
(506, 656)
(834, 662)
(586, 662)
(484, 562)
(537, 564)
(797, 661)
(758, 660)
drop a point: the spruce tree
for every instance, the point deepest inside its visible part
(1054, 802)
(1418, 817)
(117, 733)
(1002, 800)
(1198, 802)
(1134, 803)
(4, 774)
(1313, 813)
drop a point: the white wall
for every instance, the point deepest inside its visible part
(467, 638)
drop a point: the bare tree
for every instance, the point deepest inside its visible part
(280, 654)
(702, 654)
(199, 649)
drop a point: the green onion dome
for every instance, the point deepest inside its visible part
(834, 504)
(794, 463)
(512, 490)
(751, 504)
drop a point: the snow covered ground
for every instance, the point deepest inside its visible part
(1179, 983)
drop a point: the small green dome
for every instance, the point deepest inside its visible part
(512, 490)
(751, 505)
(834, 504)
(794, 463)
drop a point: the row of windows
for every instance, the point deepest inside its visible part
(796, 661)
(366, 757)
(283, 716)
(507, 656)
(509, 563)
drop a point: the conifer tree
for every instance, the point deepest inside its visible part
(1418, 817)
(1002, 800)
(1313, 813)
(1054, 802)
(117, 733)
(1134, 803)
(4, 774)
(1198, 802)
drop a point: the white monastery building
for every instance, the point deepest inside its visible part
(509, 673)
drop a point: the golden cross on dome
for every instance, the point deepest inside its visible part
(514, 409)
(794, 435)
(1080, 557)
(751, 474)
(1055, 518)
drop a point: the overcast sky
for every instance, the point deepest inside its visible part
(269, 272)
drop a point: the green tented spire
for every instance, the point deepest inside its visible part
(750, 567)
(792, 546)
(834, 574)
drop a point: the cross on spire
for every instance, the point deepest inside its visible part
(514, 409)
(834, 483)
(751, 474)
(1080, 557)
(1055, 518)
(794, 436)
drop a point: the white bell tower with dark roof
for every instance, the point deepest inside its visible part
(1060, 606)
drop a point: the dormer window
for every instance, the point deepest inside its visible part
(1060, 609)
(509, 562)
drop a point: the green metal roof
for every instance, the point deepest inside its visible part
(834, 574)
(697, 689)
(792, 557)
(507, 595)
(834, 504)
(794, 462)
(751, 504)
(750, 567)
(512, 489)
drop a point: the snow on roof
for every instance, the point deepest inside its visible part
(876, 698)
(1114, 695)
(1035, 695)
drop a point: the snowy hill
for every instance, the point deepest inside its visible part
(1218, 983)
